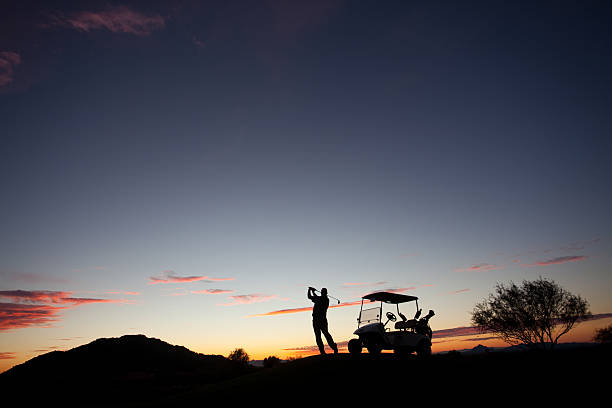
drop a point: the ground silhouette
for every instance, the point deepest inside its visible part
(136, 371)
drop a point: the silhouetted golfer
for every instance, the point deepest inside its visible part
(319, 319)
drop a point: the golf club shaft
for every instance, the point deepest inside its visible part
(316, 290)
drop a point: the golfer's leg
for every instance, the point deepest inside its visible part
(317, 331)
(329, 338)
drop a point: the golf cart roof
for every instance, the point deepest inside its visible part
(389, 297)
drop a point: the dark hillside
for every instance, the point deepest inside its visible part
(128, 368)
(521, 378)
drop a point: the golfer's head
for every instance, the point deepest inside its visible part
(324, 291)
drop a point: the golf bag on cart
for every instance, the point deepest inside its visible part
(422, 326)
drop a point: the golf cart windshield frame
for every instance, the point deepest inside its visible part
(383, 297)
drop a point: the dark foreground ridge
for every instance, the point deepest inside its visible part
(107, 371)
(144, 372)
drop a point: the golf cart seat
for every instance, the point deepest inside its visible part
(408, 324)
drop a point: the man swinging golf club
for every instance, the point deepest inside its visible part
(319, 319)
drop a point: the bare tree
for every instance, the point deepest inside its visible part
(538, 311)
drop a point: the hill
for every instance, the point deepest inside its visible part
(131, 368)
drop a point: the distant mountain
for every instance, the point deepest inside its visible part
(133, 365)
(522, 347)
(480, 349)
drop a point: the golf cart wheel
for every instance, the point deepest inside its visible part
(374, 349)
(355, 347)
(424, 349)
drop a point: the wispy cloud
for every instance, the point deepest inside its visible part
(39, 307)
(171, 277)
(7, 355)
(572, 246)
(8, 62)
(118, 292)
(454, 292)
(558, 260)
(120, 19)
(579, 245)
(304, 309)
(82, 301)
(400, 290)
(51, 297)
(248, 299)
(35, 296)
(17, 316)
(212, 291)
(482, 267)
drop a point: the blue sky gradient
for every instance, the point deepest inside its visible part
(436, 146)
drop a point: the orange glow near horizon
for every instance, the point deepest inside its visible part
(583, 332)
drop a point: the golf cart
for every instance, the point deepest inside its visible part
(410, 335)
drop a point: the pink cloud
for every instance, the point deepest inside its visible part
(8, 62)
(17, 316)
(171, 277)
(35, 296)
(131, 293)
(120, 19)
(400, 290)
(7, 355)
(82, 301)
(51, 297)
(558, 260)
(211, 291)
(305, 309)
(39, 307)
(248, 299)
(483, 267)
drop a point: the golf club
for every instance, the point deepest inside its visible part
(336, 299)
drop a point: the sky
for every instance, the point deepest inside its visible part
(186, 169)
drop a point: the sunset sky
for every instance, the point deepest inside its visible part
(186, 169)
